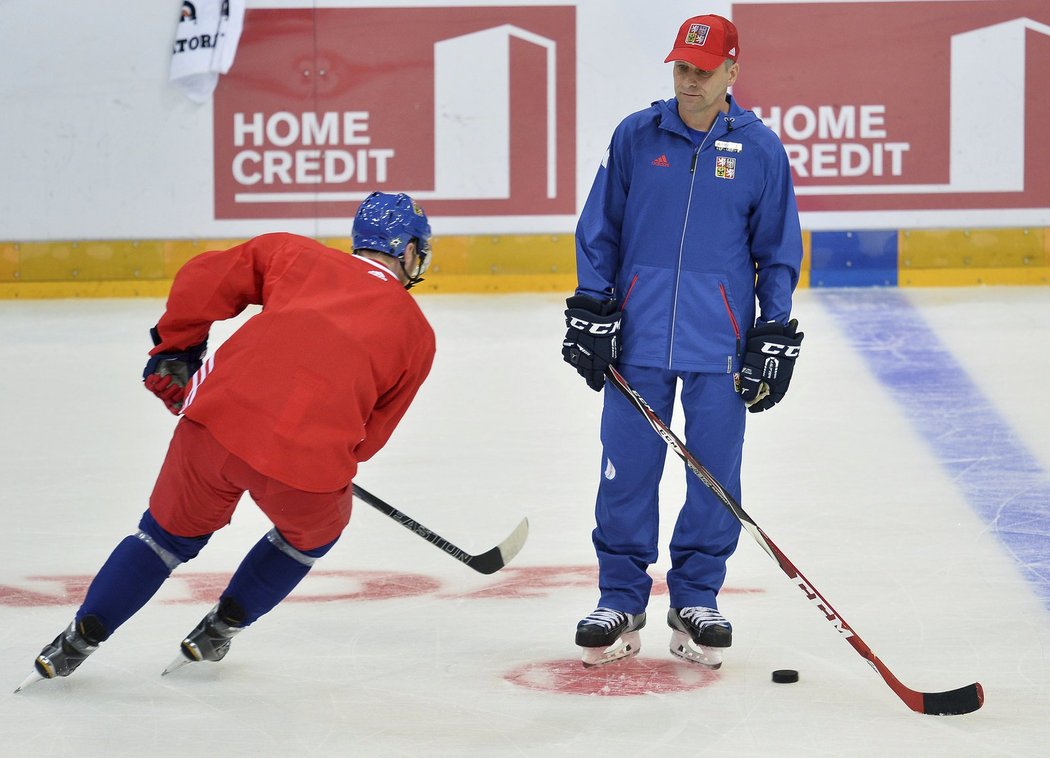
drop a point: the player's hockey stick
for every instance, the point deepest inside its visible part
(488, 562)
(963, 700)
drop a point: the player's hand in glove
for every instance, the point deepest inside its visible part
(167, 374)
(592, 340)
(768, 363)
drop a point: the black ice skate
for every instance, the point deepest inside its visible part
(67, 651)
(699, 635)
(209, 641)
(607, 635)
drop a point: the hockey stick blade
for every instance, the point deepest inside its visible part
(951, 703)
(488, 562)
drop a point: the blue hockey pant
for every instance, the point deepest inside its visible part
(627, 508)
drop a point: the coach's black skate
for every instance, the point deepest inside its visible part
(699, 635)
(608, 635)
(210, 640)
(67, 651)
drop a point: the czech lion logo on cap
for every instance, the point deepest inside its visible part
(697, 34)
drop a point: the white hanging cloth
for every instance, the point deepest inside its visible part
(205, 45)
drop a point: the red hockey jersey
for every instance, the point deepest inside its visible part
(314, 383)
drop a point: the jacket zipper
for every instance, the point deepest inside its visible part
(681, 244)
(630, 289)
(733, 321)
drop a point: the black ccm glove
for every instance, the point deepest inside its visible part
(592, 340)
(771, 352)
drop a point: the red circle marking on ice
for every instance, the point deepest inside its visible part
(635, 676)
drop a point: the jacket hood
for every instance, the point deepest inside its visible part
(735, 118)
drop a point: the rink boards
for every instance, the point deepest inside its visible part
(545, 262)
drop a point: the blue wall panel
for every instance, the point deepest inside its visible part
(853, 259)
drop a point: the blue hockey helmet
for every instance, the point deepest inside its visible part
(386, 223)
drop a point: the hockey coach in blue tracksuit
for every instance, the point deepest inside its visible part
(691, 218)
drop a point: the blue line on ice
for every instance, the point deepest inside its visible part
(984, 456)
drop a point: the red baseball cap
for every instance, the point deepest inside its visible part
(706, 42)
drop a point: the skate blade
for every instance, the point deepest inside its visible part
(177, 664)
(31, 679)
(626, 647)
(682, 646)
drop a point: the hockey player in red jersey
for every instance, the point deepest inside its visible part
(284, 409)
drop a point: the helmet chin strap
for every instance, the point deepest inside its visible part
(421, 266)
(413, 280)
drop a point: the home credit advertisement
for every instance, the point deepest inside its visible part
(904, 105)
(471, 110)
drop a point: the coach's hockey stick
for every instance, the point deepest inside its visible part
(963, 700)
(488, 562)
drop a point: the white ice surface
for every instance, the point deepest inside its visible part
(392, 649)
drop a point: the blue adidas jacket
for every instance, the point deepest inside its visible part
(677, 235)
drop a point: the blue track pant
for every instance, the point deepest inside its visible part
(627, 508)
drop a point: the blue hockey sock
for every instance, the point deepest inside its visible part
(127, 580)
(133, 573)
(268, 573)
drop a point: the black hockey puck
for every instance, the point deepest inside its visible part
(785, 676)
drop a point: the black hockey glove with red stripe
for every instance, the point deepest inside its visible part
(167, 374)
(768, 364)
(592, 340)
